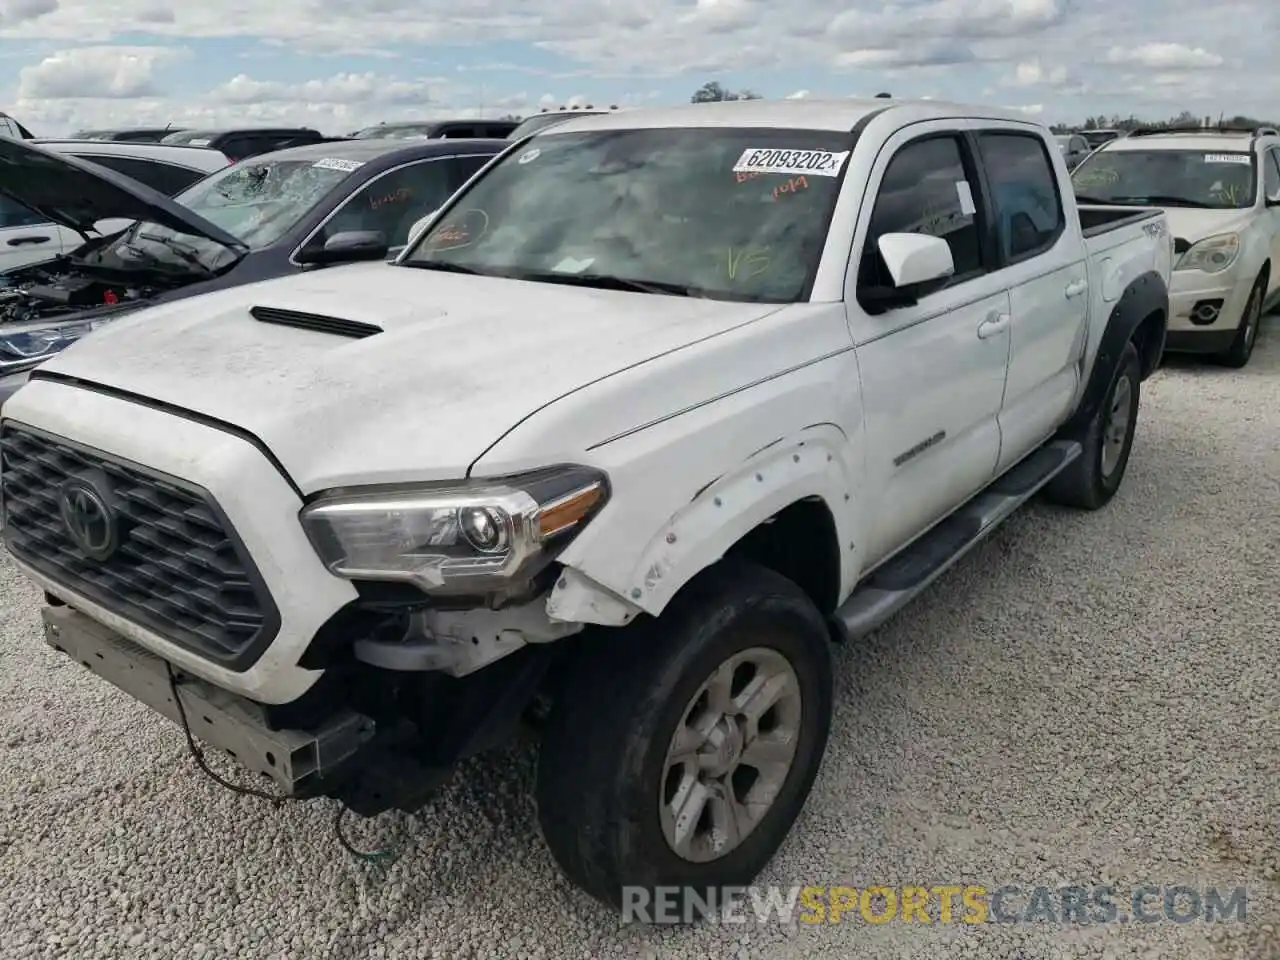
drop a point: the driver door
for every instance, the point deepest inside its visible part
(933, 373)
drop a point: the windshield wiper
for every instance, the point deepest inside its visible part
(1081, 198)
(444, 266)
(183, 253)
(1164, 200)
(605, 281)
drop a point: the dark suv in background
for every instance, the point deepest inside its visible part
(134, 135)
(437, 129)
(237, 144)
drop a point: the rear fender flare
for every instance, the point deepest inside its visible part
(1146, 294)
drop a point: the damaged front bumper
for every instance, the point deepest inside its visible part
(390, 746)
(299, 761)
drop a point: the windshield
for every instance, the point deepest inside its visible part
(543, 120)
(735, 214)
(255, 202)
(1168, 178)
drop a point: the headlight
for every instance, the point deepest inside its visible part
(455, 538)
(24, 349)
(1212, 254)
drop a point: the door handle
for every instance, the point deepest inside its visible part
(1075, 288)
(19, 241)
(994, 324)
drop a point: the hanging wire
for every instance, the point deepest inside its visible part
(277, 800)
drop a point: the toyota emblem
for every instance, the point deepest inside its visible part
(89, 520)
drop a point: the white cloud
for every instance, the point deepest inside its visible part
(1165, 56)
(17, 11)
(798, 95)
(1069, 55)
(1032, 73)
(343, 88)
(109, 73)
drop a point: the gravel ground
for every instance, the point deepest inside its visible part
(1087, 698)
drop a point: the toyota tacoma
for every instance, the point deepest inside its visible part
(653, 411)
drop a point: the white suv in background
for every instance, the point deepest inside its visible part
(27, 237)
(1221, 189)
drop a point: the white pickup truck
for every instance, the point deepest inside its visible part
(656, 408)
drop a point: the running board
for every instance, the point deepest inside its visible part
(902, 578)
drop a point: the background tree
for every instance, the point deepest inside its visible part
(714, 91)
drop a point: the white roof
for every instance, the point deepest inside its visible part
(193, 158)
(1208, 141)
(799, 114)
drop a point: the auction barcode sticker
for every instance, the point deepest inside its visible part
(334, 163)
(1243, 158)
(814, 163)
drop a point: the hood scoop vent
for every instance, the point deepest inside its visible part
(314, 321)
(1181, 245)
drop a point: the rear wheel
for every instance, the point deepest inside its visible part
(1095, 476)
(1241, 349)
(682, 749)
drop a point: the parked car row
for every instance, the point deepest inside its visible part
(647, 412)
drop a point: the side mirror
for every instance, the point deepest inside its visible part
(918, 265)
(420, 227)
(1273, 200)
(351, 246)
(916, 261)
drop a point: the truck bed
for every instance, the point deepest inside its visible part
(1097, 220)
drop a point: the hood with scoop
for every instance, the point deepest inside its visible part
(78, 194)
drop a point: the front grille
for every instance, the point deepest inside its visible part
(175, 566)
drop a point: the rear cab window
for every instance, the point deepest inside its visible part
(1024, 192)
(728, 213)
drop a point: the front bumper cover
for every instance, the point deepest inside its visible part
(299, 761)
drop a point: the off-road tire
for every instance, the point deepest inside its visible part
(1237, 355)
(603, 752)
(1085, 484)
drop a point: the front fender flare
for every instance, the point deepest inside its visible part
(812, 464)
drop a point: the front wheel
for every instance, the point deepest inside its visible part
(681, 750)
(1093, 478)
(1241, 349)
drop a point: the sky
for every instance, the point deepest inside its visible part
(341, 64)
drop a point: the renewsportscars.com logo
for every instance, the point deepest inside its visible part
(938, 903)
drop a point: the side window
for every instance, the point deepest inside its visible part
(458, 133)
(237, 148)
(1024, 192)
(14, 214)
(925, 190)
(394, 202)
(463, 169)
(164, 177)
(1271, 173)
